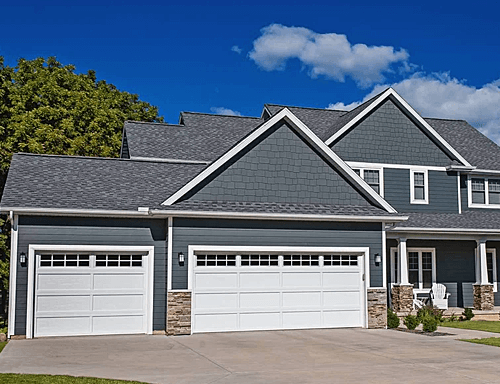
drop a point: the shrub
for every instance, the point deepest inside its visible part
(468, 314)
(392, 319)
(411, 322)
(429, 323)
(430, 311)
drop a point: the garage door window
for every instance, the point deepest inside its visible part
(259, 260)
(118, 261)
(300, 260)
(336, 260)
(215, 260)
(64, 260)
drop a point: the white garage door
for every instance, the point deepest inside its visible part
(90, 294)
(270, 291)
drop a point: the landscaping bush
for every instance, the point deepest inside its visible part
(468, 314)
(430, 311)
(430, 323)
(392, 319)
(411, 322)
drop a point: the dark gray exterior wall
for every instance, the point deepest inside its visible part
(443, 191)
(455, 264)
(387, 135)
(273, 233)
(94, 231)
(280, 168)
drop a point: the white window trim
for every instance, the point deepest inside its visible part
(412, 186)
(364, 251)
(34, 248)
(486, 193)
(493, 251)
(420, 288)
(380, 171)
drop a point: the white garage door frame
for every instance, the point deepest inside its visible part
(363, 251)
(34, 248)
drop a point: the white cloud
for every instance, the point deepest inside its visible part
(236, 49)
(440, 95)
(224, 111)
(329, 54)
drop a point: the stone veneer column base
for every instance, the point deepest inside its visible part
(402, 298)
(484, 299)
(178, 313)
(377, 307)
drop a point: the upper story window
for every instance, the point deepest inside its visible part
(373, 177)
(419, 187)
(484, 192)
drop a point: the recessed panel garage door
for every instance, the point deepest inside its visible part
(269, 291)
(90, 294)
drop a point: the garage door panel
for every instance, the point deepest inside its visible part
(342, 299)
(308, 319)
(62, 282)
(216, 322)
(216, 301)
(61, 326)
(342, 318)
(118, 302)
(342, 280)
(119, 281)
(118, 324)
(259, 280)
(260, 321)
(259, 300)
(301, 279)
(63, 303)
(301, 299)
(216, 280)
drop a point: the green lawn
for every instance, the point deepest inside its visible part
(2, 345)
(11, 378)
(494, 341)
(487, 326)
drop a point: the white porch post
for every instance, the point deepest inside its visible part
(483, 266)
(403, 262)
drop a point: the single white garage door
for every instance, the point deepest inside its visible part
(269, 291)
(90, 294)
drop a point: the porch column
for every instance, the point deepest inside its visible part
(483, 291)
(402, 293)
(403, 262)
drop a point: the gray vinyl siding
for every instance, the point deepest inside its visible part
(94, 231)
(388, 135)
(455, 265)
(280, 168)
(443, 191)
(272, 233)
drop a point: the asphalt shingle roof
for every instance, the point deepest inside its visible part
(466, 220)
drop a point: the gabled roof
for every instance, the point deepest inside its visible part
(373, 103)
(198, 137)
(308, 135)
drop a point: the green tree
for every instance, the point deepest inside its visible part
(46, 107)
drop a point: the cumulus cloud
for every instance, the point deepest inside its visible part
(224, 111)
(330, 55)
(440, 95)
(236, 49)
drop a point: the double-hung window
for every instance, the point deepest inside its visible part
(373, 177)
(484, 191)
(421, 267)
(419, 187)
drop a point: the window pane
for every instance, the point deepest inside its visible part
(357, 171)
(489, 264)
(494, 198)
(419, 193)
(426, 260)
(427, 275)
(371, 177)
(477, 184)
(413, 278)
(413, 260)
(494, 185)
(478, 197)
(419, 178)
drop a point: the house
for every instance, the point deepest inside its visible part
(301, 218)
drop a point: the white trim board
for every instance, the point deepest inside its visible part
(384, 96)
(361, 164)
(33, 248)
(286, 115)
(14, 238)
(413, 200)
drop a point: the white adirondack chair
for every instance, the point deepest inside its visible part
(439, 296)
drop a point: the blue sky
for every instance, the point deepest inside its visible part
(442, 57)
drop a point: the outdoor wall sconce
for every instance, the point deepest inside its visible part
(378, 259)
(22, 258)
(180, 256)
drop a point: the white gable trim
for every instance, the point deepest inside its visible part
(410, 110)
(288, 116)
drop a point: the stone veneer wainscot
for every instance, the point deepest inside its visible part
(178, 313)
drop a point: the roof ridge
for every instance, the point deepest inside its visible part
(152, 122)
(214, 114)
(315, 108)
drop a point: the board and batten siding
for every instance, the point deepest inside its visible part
(273, 233)
(94, 231)
(443, 191)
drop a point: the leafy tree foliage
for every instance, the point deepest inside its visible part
(47, 107)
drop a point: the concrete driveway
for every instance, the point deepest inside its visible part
(311, 356)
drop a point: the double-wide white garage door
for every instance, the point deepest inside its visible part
(90, 294)
(242, 292)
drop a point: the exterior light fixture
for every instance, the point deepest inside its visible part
(22, 258)
(378, 259)
(180, 256)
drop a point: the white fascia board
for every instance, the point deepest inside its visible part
(410, 110)
(361, 164)
(74, 212)
(484, 172)
(446, 230)
(288, 116)
(14, 220)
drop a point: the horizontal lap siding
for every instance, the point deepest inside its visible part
(443, 191)
(94, 231)
(260, 233)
